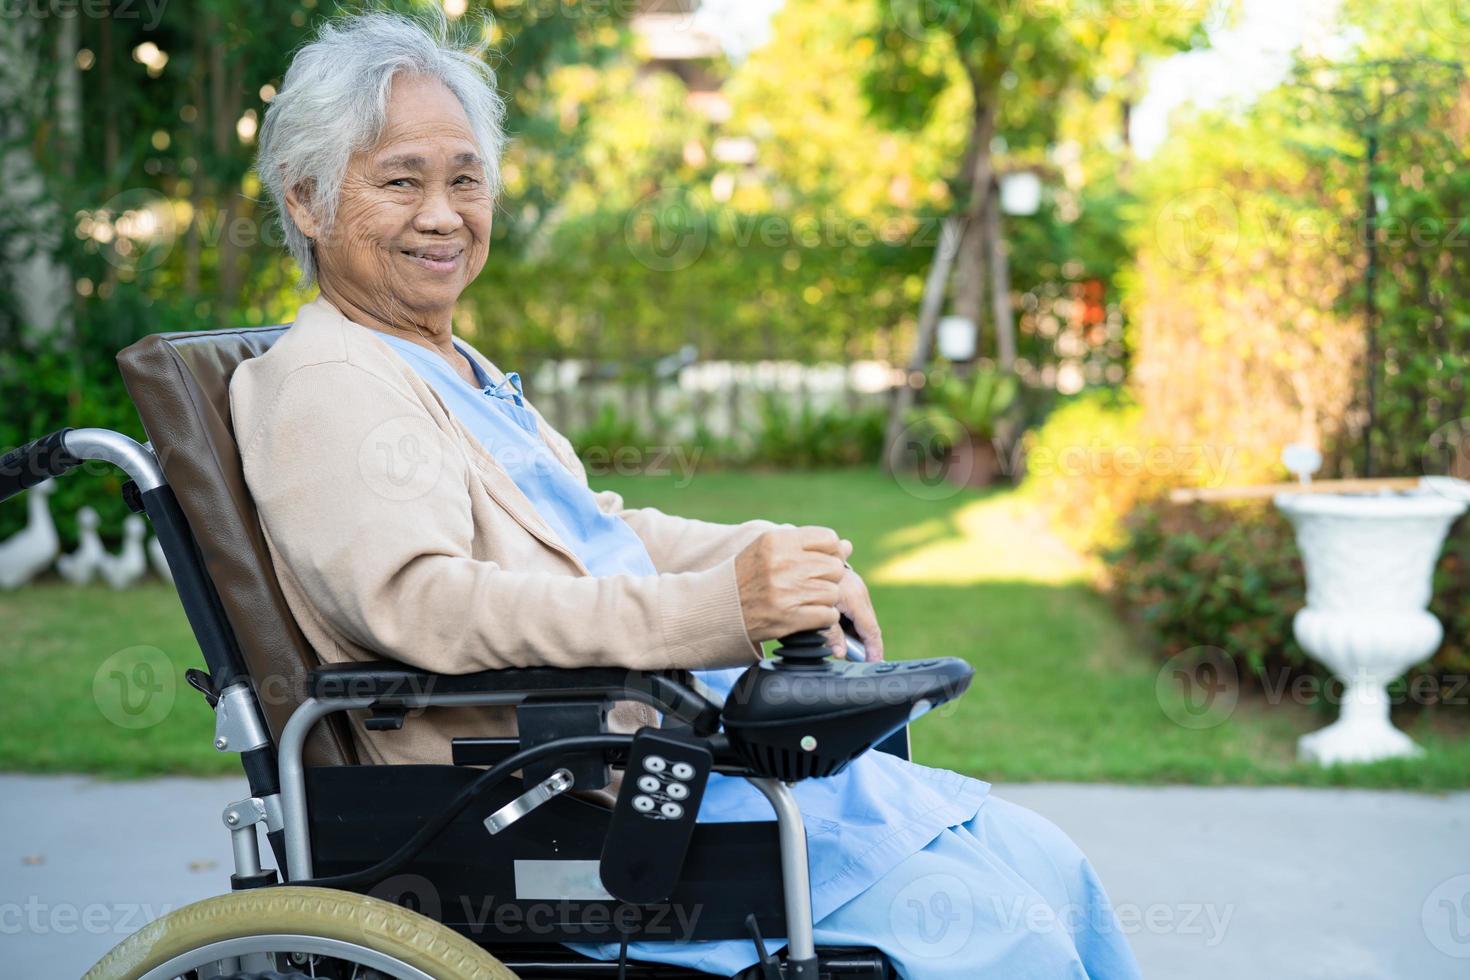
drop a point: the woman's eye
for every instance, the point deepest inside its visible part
(399, 182)
(465, 180)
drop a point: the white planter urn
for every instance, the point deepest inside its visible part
(1369, 562)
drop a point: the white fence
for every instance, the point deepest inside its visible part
(722, 397)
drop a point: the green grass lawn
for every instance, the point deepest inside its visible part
(1062, 690)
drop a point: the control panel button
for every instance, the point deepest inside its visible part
(655, 763)
(643, 804)
(671, 810)
(649, 784)
(677, 791)
(682, 770)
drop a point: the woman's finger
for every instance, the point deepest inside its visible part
(815, 617)
(858, 605)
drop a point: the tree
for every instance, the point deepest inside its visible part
(1018, 62)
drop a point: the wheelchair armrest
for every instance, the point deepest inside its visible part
(670, 691)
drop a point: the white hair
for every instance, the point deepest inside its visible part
(334, 102)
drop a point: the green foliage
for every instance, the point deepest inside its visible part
(1221, 576)
(788, 432)
(1231, 577)
(957, 407)
(1251, 240)
(1085, 467)
(615, 285)
(608, 433)
(808, 438)
(49, 394)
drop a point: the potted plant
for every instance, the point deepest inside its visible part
(961, 422)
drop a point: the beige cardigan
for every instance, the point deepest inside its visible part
(396, 535)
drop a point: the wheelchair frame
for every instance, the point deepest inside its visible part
(279, 779)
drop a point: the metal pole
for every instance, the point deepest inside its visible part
(1371, 303)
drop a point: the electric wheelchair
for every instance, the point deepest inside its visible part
(482, 868)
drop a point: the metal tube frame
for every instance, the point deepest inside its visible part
(296, 828)
(796, 875)
(132, 457)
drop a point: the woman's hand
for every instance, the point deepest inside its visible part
(790, 579)
(854, 602)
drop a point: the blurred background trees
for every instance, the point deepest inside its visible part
(725, 249)
(670, 205)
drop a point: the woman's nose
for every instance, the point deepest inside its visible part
(437, 215)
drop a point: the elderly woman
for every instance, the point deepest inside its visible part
(418, 507)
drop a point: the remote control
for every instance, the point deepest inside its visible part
(653, 819)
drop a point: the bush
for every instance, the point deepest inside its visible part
(1227, 576)
(46, 386)
(1078, 467)
(1230, 576)
(806, 438)
(786, 437)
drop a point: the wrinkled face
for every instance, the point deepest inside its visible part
(413, 221)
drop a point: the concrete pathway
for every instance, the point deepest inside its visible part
(1210, 883)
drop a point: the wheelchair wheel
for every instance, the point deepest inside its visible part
(318, 932)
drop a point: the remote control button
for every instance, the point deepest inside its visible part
(671, 810)
(643, 804)
(655, 763)
(677, 791)
(649, 784)
(682, 770)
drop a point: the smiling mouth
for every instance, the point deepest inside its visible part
(437, 259)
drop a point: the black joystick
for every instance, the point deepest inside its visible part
(805, 649)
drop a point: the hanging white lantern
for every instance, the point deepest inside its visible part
(1020, 193)
(957, 335)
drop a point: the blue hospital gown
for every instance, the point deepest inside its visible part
(922, 863)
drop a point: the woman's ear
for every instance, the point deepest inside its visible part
(298, 205)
